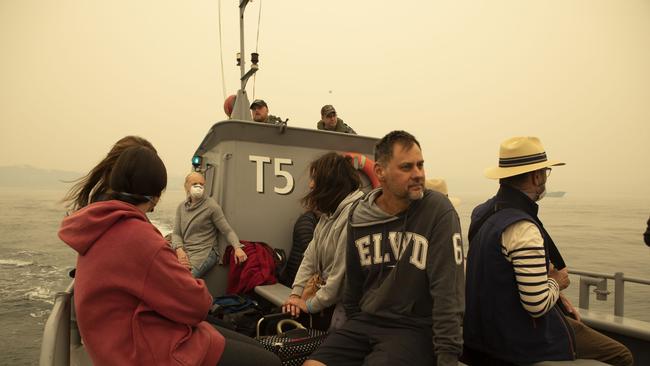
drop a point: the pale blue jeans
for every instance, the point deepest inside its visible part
(207, 264)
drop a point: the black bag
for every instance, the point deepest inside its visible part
(294, 346)
(280, 258)
(231, 304)
(235, 312)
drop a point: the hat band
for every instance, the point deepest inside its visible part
(522, 160)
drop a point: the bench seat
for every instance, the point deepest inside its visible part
(277, 294)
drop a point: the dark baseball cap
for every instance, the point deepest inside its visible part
(258, 103)
(327, 109)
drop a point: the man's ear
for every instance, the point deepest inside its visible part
(379, 172)
(536, 177)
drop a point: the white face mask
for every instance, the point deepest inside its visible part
(541, 194)
(196, 191)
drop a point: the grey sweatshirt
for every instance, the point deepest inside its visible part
(408, 269)
(325, 255)
(197, 226)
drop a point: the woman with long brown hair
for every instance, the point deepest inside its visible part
(135, 303)
(334, 187)
(93, 186)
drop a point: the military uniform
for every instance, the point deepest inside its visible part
(273, 120)
(340, 127)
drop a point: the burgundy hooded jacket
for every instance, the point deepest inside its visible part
(135, 303)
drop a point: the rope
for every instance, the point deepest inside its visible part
(223, 77)
(259, 21)
(257, 44)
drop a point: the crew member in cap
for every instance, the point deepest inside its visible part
(260, 113)
(329, 121)
(513, 304)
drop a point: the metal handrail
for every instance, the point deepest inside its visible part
(599, 280)
(611, 277)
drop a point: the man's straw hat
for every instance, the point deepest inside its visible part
(439, 184)
(519, 155)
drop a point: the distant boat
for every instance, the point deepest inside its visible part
(555, 194)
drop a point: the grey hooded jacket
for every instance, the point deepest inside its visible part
(325, 255)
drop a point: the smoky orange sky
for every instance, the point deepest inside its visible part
(76, 75)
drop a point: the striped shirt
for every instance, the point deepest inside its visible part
(523, 246)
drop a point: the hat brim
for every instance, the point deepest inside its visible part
(499, 172)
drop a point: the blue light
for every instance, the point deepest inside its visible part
(196, 161)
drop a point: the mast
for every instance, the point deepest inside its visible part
(242, 104)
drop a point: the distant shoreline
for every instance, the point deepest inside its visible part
(27, 176)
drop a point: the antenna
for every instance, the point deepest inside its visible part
(242, 105)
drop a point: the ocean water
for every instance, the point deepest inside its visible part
(602, 234)
(34, 265)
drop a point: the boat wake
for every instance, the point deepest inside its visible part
(40, 293)
(27, 281)
(163, 227)
(15, 262)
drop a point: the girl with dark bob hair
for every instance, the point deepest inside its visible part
(94, 186)
(139, 176)
(317, 288)
(134, 301)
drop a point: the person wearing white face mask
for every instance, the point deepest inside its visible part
(198, 222)
(514, 310)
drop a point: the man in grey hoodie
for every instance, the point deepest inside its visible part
(404, 279)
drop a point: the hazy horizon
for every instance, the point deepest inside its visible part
(75, 76)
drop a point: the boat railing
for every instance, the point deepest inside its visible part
(599, 281)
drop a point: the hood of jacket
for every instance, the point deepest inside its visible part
(84, 227)
(348, 200)
(367, 213)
